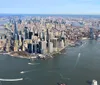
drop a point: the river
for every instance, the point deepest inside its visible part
(74, 67)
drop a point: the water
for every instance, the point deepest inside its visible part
(78, 65)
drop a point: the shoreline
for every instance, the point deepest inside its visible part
(35, 56)
(58, 52)
(19, 57)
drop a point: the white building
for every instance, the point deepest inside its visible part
(50, 47)
(62, 44)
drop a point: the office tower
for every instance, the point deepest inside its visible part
(16, 37)
(20, 32)
(38, 49)
(62, 34)
(7, 44)
(36, 33)
(19, 37)
(42, 46)
(62, 44)
(96, 36)
(34, 48)
(91, 33)
(54, 41)
(23, 48)
(26, 33)
(41, 35)
(16, 47)
(50, 47)
(51, 35)
(19, 21)
(48, 38)
(45, 37)
(30, 35)
(20, 42)
(15, 32)
(30, 48)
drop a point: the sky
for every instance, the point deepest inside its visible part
(50, 6)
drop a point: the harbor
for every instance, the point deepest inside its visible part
(76, 66)
(50, 42)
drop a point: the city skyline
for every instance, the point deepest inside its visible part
(50, 7)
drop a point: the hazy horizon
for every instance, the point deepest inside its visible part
(43, 14)
(50, 7)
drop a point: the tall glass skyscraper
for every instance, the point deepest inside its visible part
(26, 33)
(15, 32)
(91, 33)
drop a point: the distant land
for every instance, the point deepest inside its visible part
(63, 15)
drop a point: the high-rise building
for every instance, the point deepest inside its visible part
(16, 46)
(30, 48)
(48, 38)
(62, 44)
(15, 31)
(26, 33)
(62, 34)
(51, 47)
(91, 33)
(42, 45)
(20, 42)
(34, 48)
(54, 41)
(16, 36)
(42, 35)
(30, 35)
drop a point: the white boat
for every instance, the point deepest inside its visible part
(22, 72)
(30, 63)
(11, 79)
(94, 82)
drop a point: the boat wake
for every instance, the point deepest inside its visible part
(23, 72)
(20, 79)
(79, 54)
(77, 59)
(33, 63)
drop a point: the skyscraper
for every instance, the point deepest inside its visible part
(91, 33)
(15, 35)
(48, 38)
(26, 33)
(15, 32)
